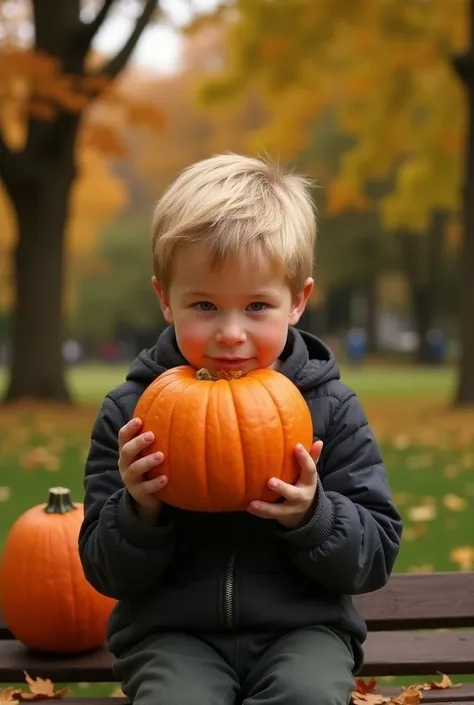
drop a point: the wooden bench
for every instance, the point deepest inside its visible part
(419, 626)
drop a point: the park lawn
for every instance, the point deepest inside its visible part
(427, 446)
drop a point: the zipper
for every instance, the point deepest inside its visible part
(229, 592)
(229, 578)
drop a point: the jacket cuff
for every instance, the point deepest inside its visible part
(319, 526)
(136, 531)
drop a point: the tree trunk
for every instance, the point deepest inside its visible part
(38, 180)
(41, 205)
(465, 388)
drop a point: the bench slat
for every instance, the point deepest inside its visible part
(420, 601)
(419, 653)
(433, 696)
(408, 601)
(387, 654)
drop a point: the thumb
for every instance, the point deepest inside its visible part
(316, 450)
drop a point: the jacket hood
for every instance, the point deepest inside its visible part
(305, 359)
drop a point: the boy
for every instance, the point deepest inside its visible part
(251, 607)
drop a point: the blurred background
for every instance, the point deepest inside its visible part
(102, 103)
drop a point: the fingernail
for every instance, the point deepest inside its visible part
(136, 422)
(299, 448)
(162, 479)
(149, 436)
(273, 483)
(158, 456)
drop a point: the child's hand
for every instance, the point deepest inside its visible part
(133, 469)
(293, 512)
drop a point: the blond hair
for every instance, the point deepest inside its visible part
(237, 206)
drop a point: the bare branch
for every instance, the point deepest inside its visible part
(90, 29)
(113, 67)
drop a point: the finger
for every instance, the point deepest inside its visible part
(129, 431)
(140, 467)
(155, 485)
(134, 447)
(316, 450)
(308, 474)
(289, 492)
(269, 510)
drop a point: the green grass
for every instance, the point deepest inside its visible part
(90, 382)
(428, 450)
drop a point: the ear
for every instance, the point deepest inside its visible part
(163, 299)
(300, 301)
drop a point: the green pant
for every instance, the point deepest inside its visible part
(311, 666)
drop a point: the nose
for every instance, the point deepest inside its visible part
(230, 332)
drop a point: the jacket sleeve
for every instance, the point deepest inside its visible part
(121, 556)
(351, 541)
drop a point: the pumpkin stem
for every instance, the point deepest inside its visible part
(59, 501)
(223, 374)
(205, 374)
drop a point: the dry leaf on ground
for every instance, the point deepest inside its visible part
(41, 689)
(444, 684)
(7, 695)
(364, 693)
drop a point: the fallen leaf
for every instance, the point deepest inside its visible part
(463, 556)
(454, 503)
(363, 687)
(409, 696)
(423, 512)
(444, 684)
(8, 695)
(41, 689)
(5, 494)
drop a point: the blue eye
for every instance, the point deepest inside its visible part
(204, 306)
(257, 306)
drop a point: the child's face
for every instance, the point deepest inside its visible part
(233, 317)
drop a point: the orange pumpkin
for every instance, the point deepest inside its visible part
(223, 439)
(46, 601)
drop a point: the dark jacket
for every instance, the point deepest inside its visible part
(206, 572)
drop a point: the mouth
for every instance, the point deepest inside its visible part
(230, 362)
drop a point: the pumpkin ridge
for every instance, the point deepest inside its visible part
(206, 445)
(149, 392)
(156, 400)
(245, 476)
(71, 568)
(277, 406)
(178, 402)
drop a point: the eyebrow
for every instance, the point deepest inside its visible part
(253, 295)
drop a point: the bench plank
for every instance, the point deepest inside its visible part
(387, 654)
(408, 601)
(420, 601)
(433, 696)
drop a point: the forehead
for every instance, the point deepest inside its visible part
(195, 272)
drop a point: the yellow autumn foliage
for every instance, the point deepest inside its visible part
(384, 68)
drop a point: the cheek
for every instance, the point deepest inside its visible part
(272, 334)
(190, 333)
